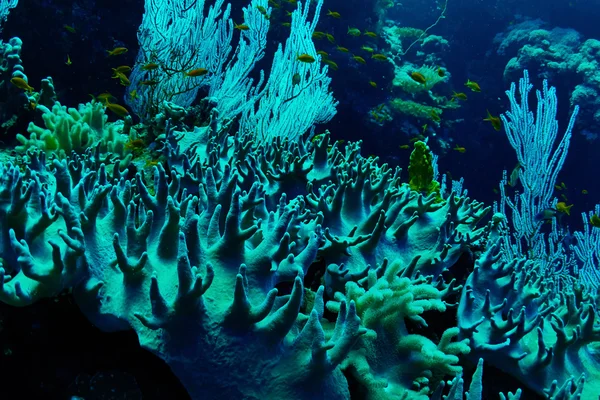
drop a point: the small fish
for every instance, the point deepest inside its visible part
(133, 94)
(122, 69)
(319, 35)
(417, 138)
(122, 78)
(424, 129)
(353, 32)
(240, 27)
(474, 86)
(306, 58)
(296, 79)
(459, 96)
(274, 4)
(322, 53)
(367, 49)
(317, 137)
(286, 24)
(150, 82)
(69, 28)
(495, 121)
(342, 49)
(595, 221)
(545, 215)
(379, 57)
(562, 185)
(105, 97)
(435, 116)
(495, 191)
(441, 73)
(261, 10)
(562, 207)
(330, 38)
(557, 187)
(333, 14)
(460, 149)
(116, 51)
(564, 197)
(404, 147)
(418, 77)
(292, 2)
(32, 105)
(68, 62)
(331, 63)
(514, 175)
(359, 59)
(373, 84)
(196, 72)
(21, 84)
(117, 109)
(151, 66)
(370, 34)
(584, 191)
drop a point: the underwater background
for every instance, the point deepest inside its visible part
(403, 72)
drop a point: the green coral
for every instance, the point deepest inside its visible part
(414, 109)
(69, 130)
(420, 170)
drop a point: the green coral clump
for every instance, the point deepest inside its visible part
(69, 130)
(416, 110)
(420, 170)
(407, 32)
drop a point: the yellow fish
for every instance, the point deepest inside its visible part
(306, 58)
(116, 51)
(322, 53)
(495, 121)
(342, 49)
(353, 32)
(584, 191)
(418, 77)
(68, 62)
(333, 14)
(196, 72)
(379, 57)
(330, 38)
(370, 34)
(69, 28)
(374, 84)
(435, 116)
(240, 27)
(474, 86)
(151, 66)
(331, 63)
(460, 149)
(122, 69)
(595, 221)
(21, 84)
(562, 207)
(318, 35)
(404, 147)
(117, 109)
(367, 49)
(441, 73)
(459, 96)
(359, 59)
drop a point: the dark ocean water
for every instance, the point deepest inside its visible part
(38, 359)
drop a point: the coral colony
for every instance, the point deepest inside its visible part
(204, 249)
